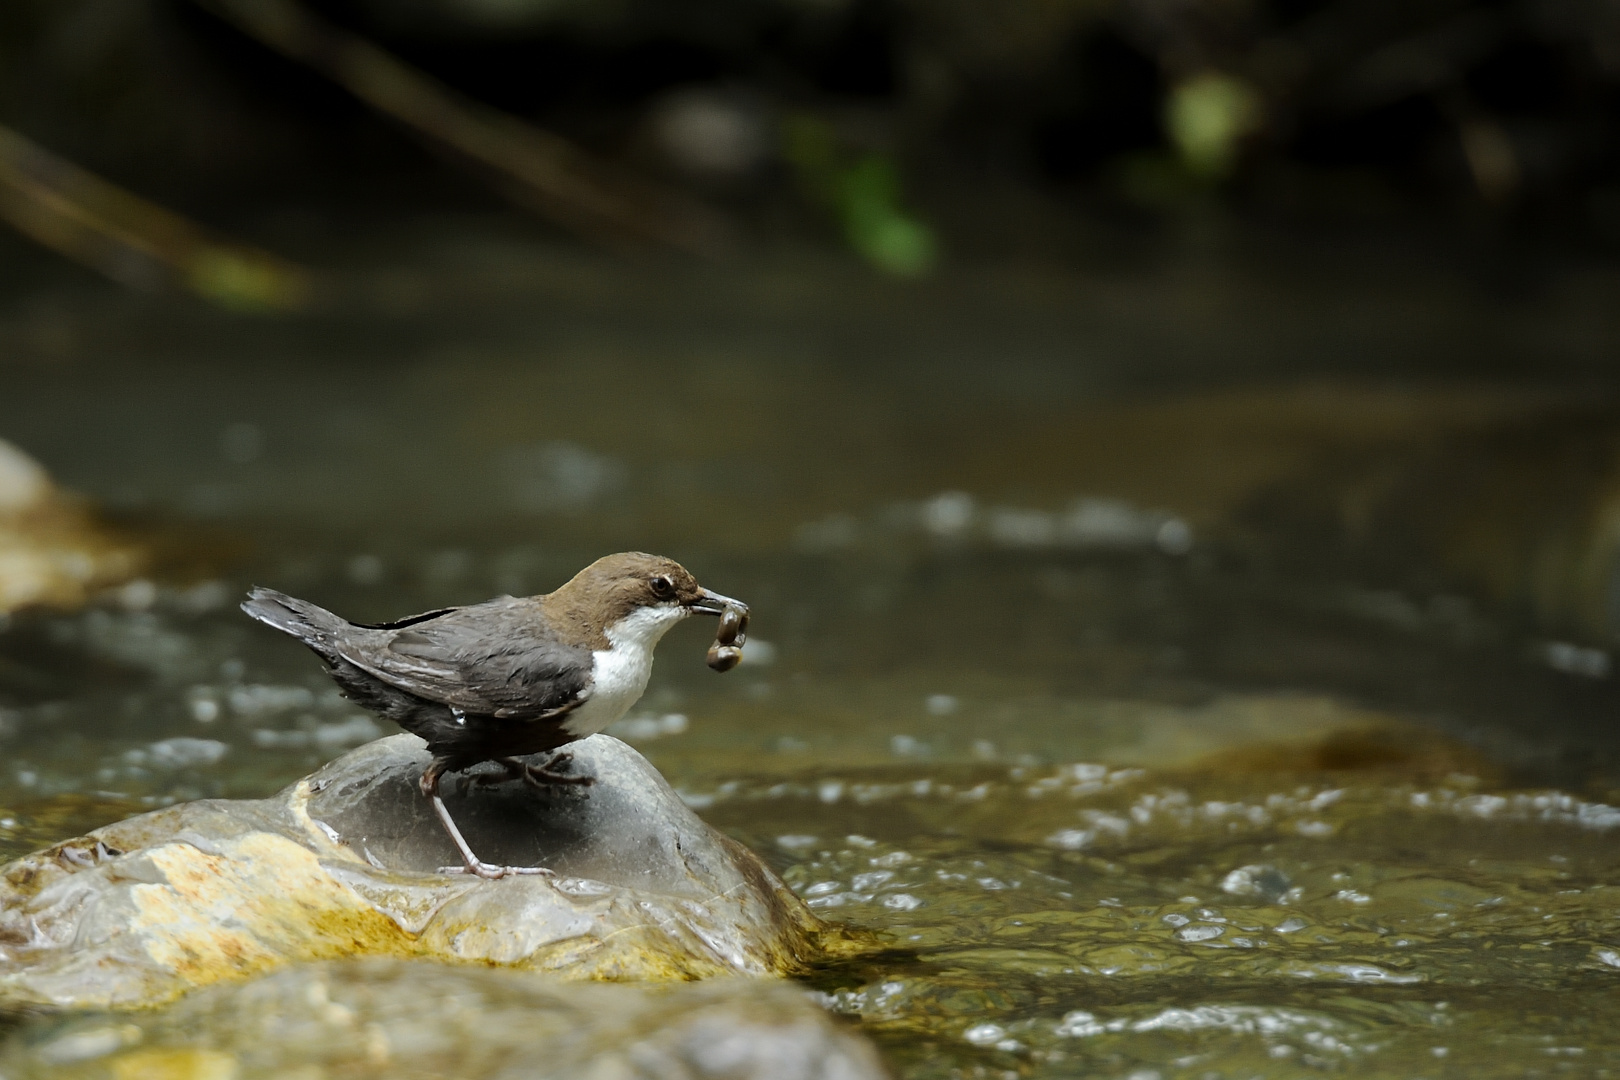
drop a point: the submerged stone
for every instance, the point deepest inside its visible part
(344, 863)
(386, 1018)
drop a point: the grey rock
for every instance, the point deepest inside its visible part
(390, 1018)
(344, 863)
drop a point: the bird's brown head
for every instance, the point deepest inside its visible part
(615, 587)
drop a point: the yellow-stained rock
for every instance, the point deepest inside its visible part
(52, 552)
(344, 863)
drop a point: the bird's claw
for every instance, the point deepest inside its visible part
(538, 776)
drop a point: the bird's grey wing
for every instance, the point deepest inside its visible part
(491, 659)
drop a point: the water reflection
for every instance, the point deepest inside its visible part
(1110, 920)
(1139, 873)
(1206, 733)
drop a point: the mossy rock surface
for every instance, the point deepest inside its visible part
(344, 863)
(389, 1018)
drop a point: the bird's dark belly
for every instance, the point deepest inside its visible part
(484, 738)
(461, 742)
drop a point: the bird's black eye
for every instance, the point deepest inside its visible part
(662, 587)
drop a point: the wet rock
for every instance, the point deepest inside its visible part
(344, 863)
(387, 1018)
(51, 550)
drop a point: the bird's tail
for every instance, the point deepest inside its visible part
(309, 623)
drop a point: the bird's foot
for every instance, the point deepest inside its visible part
(490, 872)
(490, 779)
(537, 775)
(541, 775)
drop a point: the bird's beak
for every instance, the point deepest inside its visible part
(712, 603)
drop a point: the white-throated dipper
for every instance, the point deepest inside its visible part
(514, 675)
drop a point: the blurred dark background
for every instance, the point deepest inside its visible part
(907, 132)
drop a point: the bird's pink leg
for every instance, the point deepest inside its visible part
(474, 865)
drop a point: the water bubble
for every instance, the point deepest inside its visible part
(259, 699)
(1259, 880)
(560, 476)
(985, 1034)
(1106, 523)
(280, 740)
(365, 569)
(1360, 973)
(137, 595)
(203, 597)
(869, 881)
(759, 653)
(948, 514)
(1022, 528)
(180, 753)
(357, 729)
(1576, 660)
(940, 704)
(646, 728)
(1078, 1024)
(1070, 839)
(711, 132)
(907, 746)
(1174, 537)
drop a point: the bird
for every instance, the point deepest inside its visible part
(512, 676)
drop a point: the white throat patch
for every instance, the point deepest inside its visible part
(619, 673)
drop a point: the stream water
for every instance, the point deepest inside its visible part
(1164, 725)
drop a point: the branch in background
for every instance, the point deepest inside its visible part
(554, 177)
(132, 241)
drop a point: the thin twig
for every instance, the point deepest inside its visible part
(556, 178)
(131, 240)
